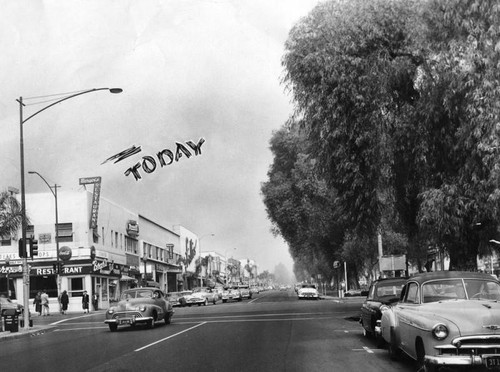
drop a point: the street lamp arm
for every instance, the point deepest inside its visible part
(39, 175)
(112, 90)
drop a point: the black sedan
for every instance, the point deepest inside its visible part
(381, 292)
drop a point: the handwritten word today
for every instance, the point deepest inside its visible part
(163, 158)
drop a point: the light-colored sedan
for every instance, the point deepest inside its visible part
(446, 318)
(202, 296)
(231, 294)
(308, 291)
(139, 306)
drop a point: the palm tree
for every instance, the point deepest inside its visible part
(10, 214)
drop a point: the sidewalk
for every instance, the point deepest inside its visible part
(42, 324)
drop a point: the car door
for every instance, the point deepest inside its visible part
(405, 311)
(367, 310)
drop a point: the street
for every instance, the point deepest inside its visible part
(273, 331)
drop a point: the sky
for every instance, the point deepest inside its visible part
(189, 70)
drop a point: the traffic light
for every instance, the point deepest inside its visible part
(61, 267)
(33, 248)
(22, 248)
(56, 269)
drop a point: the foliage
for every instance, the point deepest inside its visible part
(10, 214)
(395, 130)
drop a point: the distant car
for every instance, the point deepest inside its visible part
(282, 288)
(201, 296)
(446, 318)
(231, 294)
(245, 291)
(139, 306)
(254, 290)
(308, 291)
(178, 298)
(381, 292)
(352, 293)
(6, 303)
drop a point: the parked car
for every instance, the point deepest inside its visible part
(178, 298)
(447, 318)
(352, 293)
(202, 296)
(308, 291)
(7, 303)
(139, 306)
(245, 291)
(231, 294)
(381, 292)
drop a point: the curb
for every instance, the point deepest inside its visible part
(33, 331)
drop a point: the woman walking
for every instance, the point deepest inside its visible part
(64, 302)
(38, 303)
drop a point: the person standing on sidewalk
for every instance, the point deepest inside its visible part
(64, 302)
(85, 302)
(45, 303)
(38, 303)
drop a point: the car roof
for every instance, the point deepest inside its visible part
(424, 277)
(401, 279)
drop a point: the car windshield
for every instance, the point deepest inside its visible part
(458, 289)
(136, 294)
(389, 290)
(309, 286)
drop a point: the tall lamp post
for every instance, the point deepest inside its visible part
(201, 267)
(54, 192)
(26, 276)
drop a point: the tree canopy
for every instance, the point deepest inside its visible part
(394, 131)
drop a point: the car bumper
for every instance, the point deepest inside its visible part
(129, 320)
(308, 296)
(459, 360)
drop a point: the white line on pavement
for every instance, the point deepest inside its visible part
(166, 338)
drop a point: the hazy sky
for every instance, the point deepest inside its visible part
(188, 70)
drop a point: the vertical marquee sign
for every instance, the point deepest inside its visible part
(96, 181)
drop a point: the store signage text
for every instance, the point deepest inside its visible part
(163, 158)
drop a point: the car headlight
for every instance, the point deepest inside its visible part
(111, 311)
(142, 309)
(440, 331)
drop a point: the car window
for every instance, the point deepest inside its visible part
(441, 290)
(482, 289)
(389, 290)
(412, 294)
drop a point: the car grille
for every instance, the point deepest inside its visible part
(127, 314)
(472, 345)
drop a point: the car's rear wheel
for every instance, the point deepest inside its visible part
(168, 318)
(224, 301)
(113, 327)
(215, 301)
(394, 351)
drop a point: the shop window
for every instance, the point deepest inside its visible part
(65, 232)
(5, 240)
(75, 287)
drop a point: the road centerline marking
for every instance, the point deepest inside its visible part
(169, 337)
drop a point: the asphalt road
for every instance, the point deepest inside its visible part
(273, 331)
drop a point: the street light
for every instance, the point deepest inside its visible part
(26, 276)
(54, 192)
(201, 267)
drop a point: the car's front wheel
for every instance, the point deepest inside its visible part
(421, 364)
(151, 323)
(206, 302)
(113, 327)
(394, 351)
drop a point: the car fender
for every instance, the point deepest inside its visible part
(387, 321)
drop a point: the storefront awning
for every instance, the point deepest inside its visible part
(126, 278)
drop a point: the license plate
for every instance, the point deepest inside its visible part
(124, 321)
(493, 362)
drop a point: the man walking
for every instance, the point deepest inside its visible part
(45, 303)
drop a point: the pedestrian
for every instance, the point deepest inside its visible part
(45, 303)
(64, 302)
(95, 300)
(38, 303)
(85, 302)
